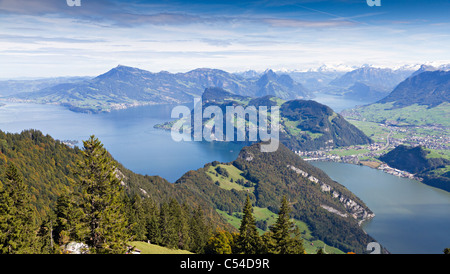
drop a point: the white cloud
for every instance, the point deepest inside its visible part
(57, 43)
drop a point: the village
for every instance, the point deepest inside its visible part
(368, 154)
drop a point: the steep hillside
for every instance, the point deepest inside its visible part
(430, 88)
(331, 212)
(310, 125)
(304, 124)
(48, 168)
(433, 169)
(420, 100)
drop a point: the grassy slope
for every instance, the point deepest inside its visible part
(147, 248)
(225, 182)
(413, 115)
(369, 118)
(310, 244)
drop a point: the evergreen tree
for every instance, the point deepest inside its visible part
(45, 235)
(17, 218)
(102, 200)
(249, 241)
(169, 236)
(137, 219)
(269, 245)
(285, 233)
(152, 221)
(69, 223)
(184, 238)
(199, 231)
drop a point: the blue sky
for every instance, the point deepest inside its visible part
(44, 38)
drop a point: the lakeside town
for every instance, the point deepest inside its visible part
(368, 154)
(323, 155)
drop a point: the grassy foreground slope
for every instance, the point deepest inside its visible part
(147, 248)
(267, 218)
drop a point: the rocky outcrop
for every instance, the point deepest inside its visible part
(354, 209)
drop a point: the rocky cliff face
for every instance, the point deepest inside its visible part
(354, 209)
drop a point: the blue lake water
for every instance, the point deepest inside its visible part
(127, 134)
(410, 217)
(338, 103)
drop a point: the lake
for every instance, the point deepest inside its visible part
(410, 217)
(127, 134)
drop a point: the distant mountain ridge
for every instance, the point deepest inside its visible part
(368, 83)
(12, 87)
(124, 86)
(430, 88)
(381, 78)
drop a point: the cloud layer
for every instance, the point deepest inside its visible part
(49, 38)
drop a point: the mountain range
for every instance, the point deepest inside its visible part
(367, 83)
(419, 107)
(124, 86)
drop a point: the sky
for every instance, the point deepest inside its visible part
(49, 38)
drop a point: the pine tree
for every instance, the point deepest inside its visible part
(184, 238)
(45, 235)
(249, 241)
(198, 230)
(102, 202)
(17, 217)
(269, 246)
(137, 219)
(285, 233)
(69, 223)
(152, 221)
(169, 236)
